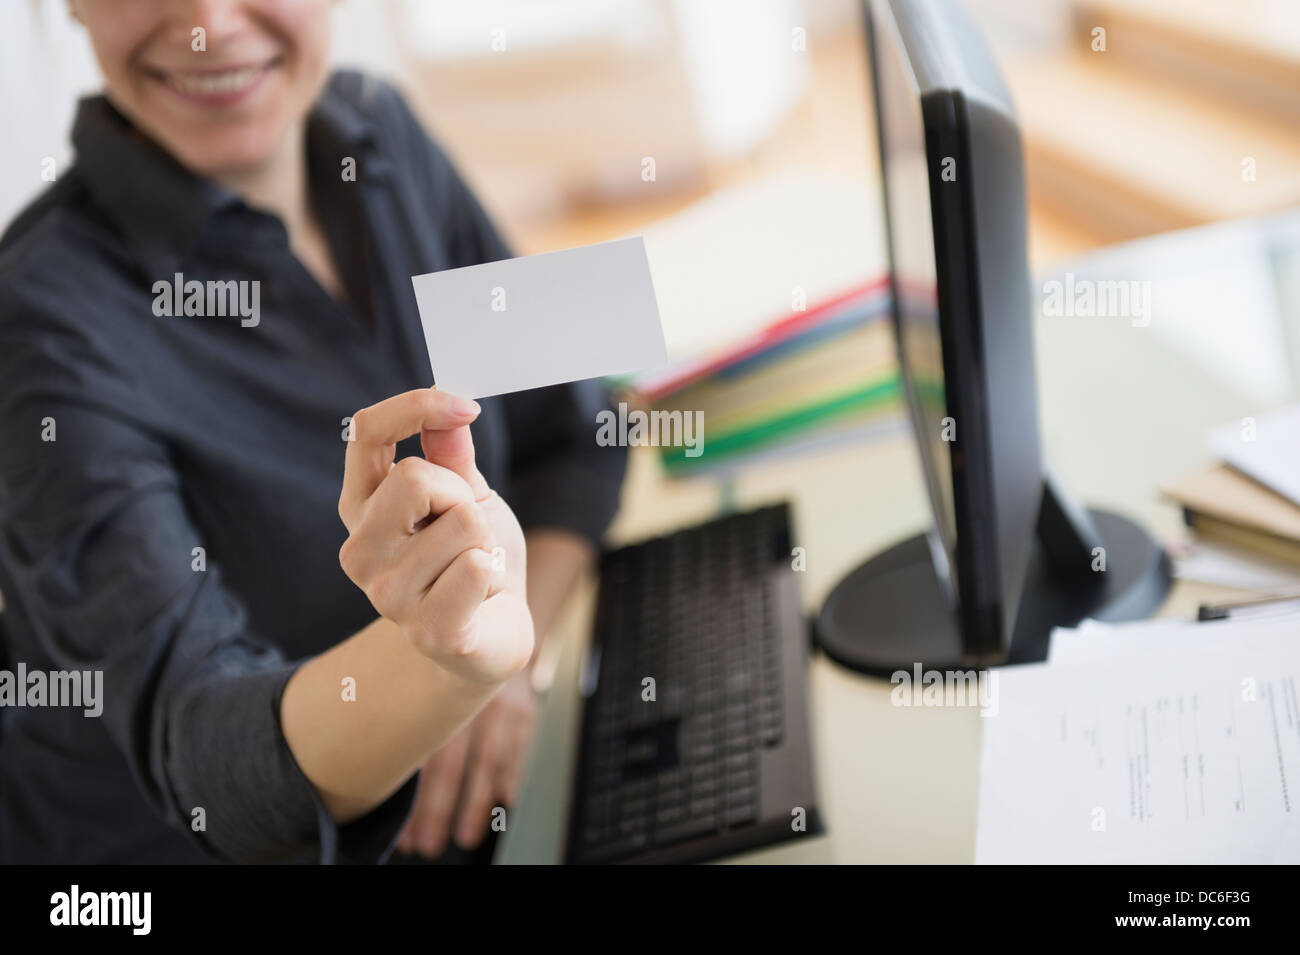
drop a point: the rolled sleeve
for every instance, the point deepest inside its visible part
(367, 840)
(264, 809)
(100, 554)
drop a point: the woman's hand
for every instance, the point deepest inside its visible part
(483, 766)
(434, 548)
(474, 773)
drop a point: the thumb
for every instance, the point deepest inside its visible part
(453, 448)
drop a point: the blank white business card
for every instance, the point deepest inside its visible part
(541, 319)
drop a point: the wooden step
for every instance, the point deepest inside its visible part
(1124, 158)
(1243, 52)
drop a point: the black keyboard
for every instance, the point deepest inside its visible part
(694, 739)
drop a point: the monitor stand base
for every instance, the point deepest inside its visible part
(890, 613)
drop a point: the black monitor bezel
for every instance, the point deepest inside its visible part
(978, 586)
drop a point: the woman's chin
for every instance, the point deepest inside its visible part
(229, 156)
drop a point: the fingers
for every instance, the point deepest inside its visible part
(492, 778)
(428, 553)
(480, 790)
(454, 449)
(399, 590)
(449, 610)
(413, 491)
(394, 559)
(377, 429)
(476, 772)
(463, 783)
(406, 838)
(441, 784)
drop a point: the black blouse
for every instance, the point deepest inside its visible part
(129, 439)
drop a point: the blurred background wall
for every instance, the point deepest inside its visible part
(1184, 112)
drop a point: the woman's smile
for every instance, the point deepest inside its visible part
(222, 87)
(215, 88)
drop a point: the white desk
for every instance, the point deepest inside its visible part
(1123, 408)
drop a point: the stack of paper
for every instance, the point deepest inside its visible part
(1245, 511)
(1266, 448)
(831, 372)
(1156, 742)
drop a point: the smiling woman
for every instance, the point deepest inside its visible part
(220, 95)
(311, 684)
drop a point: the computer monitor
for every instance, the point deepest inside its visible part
(1008, 556)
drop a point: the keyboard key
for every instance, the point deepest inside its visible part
(618, 849)
(705, 786)
(670, 814)
(740, 815)
(703, 806)
(704, 752)
(738, 796)
(691, 828)
(709, 770)
(633, 826)
(739, 763)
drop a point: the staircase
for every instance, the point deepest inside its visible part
(1190, 114)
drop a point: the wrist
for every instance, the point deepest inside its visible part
(458, 668)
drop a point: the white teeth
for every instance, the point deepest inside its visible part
(210, 84)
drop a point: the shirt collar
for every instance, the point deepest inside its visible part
(342, 122)
(160, 206)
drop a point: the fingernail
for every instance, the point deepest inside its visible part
(464, 406)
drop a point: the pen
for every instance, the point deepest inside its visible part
(1223, 611)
